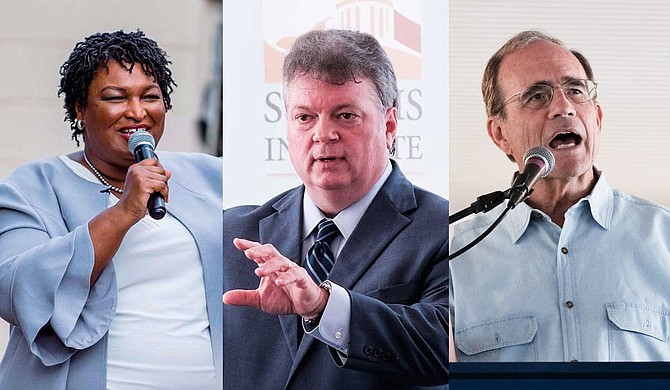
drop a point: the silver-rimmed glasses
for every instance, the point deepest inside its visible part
(540, 94)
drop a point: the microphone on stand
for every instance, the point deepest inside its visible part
(538, 162)
(141, 144)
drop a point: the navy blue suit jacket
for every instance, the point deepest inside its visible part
(394, 266)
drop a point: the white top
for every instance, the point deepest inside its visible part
(160, 335)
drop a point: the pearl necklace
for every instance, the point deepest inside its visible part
(102, 178)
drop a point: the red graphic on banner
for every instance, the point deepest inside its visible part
(398, 34)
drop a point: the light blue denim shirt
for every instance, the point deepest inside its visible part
(596, 290)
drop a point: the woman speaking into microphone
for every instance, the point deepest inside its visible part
(99, 294)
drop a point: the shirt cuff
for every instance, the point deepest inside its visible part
(333, 327)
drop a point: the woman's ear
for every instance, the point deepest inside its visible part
(79, 110)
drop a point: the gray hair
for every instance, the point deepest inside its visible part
(493, 99)
(338, 56)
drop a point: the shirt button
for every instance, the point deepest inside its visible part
(569, 304)
(564, 250)
(338, 334)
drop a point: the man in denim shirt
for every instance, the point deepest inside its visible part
(579, 271)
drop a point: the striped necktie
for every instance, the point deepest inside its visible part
(320, 258)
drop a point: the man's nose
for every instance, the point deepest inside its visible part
(560, 105)
(325, 131)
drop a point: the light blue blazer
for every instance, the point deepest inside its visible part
(58, 336)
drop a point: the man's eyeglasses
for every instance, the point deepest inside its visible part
(540, 95)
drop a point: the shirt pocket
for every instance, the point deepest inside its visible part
(638, 332)
(504, 339)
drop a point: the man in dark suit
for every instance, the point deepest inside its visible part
(357, 303)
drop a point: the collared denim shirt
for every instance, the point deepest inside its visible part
(596, 290)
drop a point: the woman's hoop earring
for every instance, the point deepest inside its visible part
(79, 124)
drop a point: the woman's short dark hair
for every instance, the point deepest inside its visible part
(95, 52)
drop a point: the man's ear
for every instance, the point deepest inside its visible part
(497, 134)
(391, 127)
(599, 116)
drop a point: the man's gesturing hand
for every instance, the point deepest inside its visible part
(284, 288)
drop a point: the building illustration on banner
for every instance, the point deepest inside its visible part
(399, 34)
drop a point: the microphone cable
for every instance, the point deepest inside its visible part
(483, 235)
(538, 162)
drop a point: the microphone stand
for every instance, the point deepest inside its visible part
(486, 203)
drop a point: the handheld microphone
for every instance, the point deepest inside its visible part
(141, 144)
(538, 162)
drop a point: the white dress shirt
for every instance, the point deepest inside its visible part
(333, 327)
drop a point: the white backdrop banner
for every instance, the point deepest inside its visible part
(257, 37)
